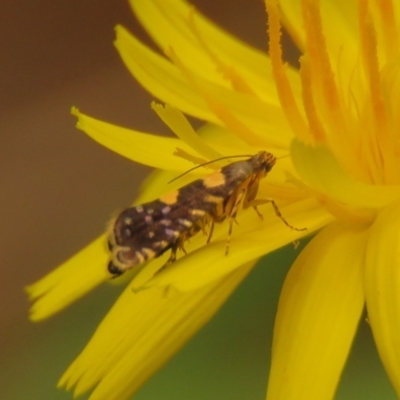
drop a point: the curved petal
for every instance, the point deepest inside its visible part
(155, 151)
(318, 313)
(318, 167)
(178, 123)
(159, 77)
(382, 288)
(70, 281)
(141, 333)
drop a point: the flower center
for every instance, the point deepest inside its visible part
(349, 86)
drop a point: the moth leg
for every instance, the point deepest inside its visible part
(171, 259)
(249, 200)
(182, 248)
(255, 203)
(210, 233)
(232, 217)
(204, 225)
(258, 212)
(172, 256)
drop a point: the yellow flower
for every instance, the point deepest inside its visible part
(337, 116)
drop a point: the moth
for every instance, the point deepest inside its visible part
(146, 231)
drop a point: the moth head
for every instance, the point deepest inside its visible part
(263, 162)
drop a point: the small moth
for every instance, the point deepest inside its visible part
(146, 231)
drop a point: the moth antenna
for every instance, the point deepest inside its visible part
(207, 163)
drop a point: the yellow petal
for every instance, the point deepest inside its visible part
(243, 113)
(198, 42)
(159, 76)
(318, 313)
(382, 288)
(169, 84)
(178, 123)
(70, 281)
(141, 333)
(318, 167)
(155, 151)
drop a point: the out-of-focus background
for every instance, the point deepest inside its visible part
(58, 188)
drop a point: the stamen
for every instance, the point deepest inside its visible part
(388, 26)
(377, 143)
(316, 128)
(324, 78)
(369, 52)
(288, 103)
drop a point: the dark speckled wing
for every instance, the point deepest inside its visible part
(146, 231)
